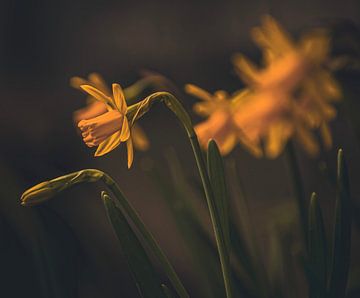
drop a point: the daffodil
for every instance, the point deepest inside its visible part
(294, 75)
(221, 125)
(96, 108)
(110, 129)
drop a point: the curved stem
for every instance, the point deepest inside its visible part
(138, 110)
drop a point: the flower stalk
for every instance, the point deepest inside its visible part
(46, 190)
(138, 110)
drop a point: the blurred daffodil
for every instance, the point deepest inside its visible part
(96, 108)
(110, 129)
(294, 78)
(221, 125)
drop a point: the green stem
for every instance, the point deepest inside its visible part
(298, 187)
(135, 112)
(150, 240)
(219, 237)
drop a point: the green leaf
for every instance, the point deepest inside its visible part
(180, 198)
(298, 187)
(143, 272)
(342, 233)
(217, 180)
(216, 195)
(276, 266)
(167, 291)
(317, 250)
(48, 189)
(243, 237)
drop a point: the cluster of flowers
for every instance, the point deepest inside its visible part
(291, 95)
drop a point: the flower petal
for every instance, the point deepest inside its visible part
(277, 137)
(130, 152)
(326, 135)
(227, 144)
(109, 144)
(119, 98)
(245, 69)
(76, 82)
(307, 140)
(97, 81)
(125, 130)
(198, 92)
(277, 36)
(253, 147)
(96, 93)
(204, 108)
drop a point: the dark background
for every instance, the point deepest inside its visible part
(44, 43)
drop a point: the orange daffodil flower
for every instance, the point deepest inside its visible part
(295, 76)
(96, 108)
(103, 121)
(289, 97)
(110, 129)
(221, 125)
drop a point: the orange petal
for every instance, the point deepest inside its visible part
(198, 92)
(245, 69)
(109, 144)
(130, 152)
(125, 130)
(119, 99)
(76, 82)
(97, 81)
(326, 135)
(96, 93)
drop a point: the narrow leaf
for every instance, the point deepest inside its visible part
(217, 179)
(143, 272)
(167, 291)
(342, 233)
(203, 253)
(317, 250)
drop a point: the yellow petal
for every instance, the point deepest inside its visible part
(277, 137)
(130, 152)
(125, 130)
(119, 98)
(253, 147)
(278, 37)
(198, 92)
(203, 108)
(328, 85)
(268, 57)
(315, 46)
(76, 82)
(96, 93)
(260, 38)
(246, 69)
(326, 135)
(228, 144)
(109, 144)
(140, 140)
(97, 81)
(307, 140)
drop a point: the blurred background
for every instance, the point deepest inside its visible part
(44, 43)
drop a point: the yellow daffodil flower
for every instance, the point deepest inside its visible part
(96, 108)
(293, 74)
(108, 130)
(221, 125)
